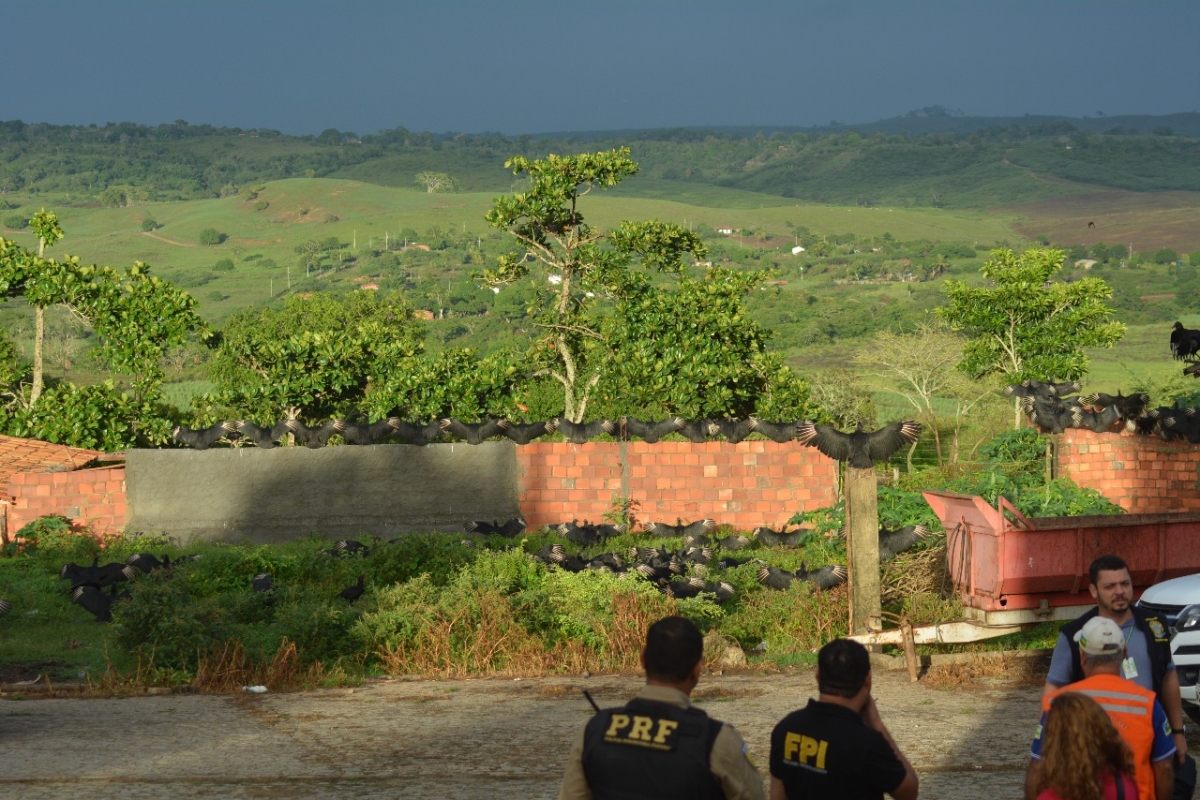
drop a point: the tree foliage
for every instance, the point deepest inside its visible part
(692, 351)
(137, 318)
(578, 262)
(1023, 325)
(325, 356)
(435, 182)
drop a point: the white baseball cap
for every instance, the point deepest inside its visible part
(1100, 636)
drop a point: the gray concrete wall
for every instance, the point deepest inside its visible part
(249, 494)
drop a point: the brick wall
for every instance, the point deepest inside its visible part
(745, 485)
(94, 497)
(1142, 474)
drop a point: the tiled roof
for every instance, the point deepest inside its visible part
(31, 455)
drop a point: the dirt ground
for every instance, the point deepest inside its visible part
(968, 735)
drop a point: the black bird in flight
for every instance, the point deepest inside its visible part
(202, 438)
(1091, 224)
(860, 448)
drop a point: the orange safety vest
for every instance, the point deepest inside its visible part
(1131, 709)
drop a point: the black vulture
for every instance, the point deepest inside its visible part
(582, 432)
(695, 431)
(1192, 369)
(667, 530)
(681, 588)
(524, 433)
(147, 563)
(860, 448)
(732, 430)
(733, 543)
(550, 553)
(352, 593)
(512, 528)
(264, 437)
(696, 540)
(262, 583)
(894, 542)
(368, 434)
(472, 432)
(698, 555)
(627, 427)
(5, 607)
(782, 538)
(643, 553)
(1185, 342)
(319, 437)
(585, 534)
(94, 601)
(1098, 421)
(823, 577)
(729, 562)
(1045, 391)
(610, 561)
(419, 435)
(775, 431)
(723, 591)
(203, 438)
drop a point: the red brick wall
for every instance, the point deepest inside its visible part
(88, 497)
(745, 485)
(1142, 474)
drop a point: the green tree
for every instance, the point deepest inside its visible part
(1023, 325)
(325, 356)
(692, 351)
(1165, 256)
(435, 182)
(576, 262)
(212, 236)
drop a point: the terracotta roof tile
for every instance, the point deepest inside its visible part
(31, 455)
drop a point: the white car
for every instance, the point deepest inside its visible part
(1178, 601)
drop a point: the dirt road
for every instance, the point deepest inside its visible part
(457, 739)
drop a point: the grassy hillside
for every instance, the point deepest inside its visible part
(301, 210)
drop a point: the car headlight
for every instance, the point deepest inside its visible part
(1188, 619)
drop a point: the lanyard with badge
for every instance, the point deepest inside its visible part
(1128, 667)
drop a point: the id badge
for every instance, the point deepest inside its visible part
(1129, 669)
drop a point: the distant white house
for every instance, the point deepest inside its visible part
(725, 229)
(1086, 263)
(797, 250)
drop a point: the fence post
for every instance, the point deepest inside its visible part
(862, 543)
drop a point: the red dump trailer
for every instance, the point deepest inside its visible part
(1013, 571)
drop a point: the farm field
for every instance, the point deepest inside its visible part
(1145, 220)
(369, 215)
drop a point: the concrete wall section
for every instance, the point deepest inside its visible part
(248, 494)
(1142, 474)
(88, 497)
(744, 485)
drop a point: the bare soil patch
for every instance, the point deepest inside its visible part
(1147, 220)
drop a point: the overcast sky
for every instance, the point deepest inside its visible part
(528, 66)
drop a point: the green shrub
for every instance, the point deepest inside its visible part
(166, 623)
(224, 265)
(16, 222)
(262, 205)
(211, 236)
(149, 224)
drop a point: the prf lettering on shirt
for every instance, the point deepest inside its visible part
(656, 734)
(805, 751)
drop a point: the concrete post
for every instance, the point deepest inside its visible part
(862, 545)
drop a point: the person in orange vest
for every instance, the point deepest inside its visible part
(1134, 711)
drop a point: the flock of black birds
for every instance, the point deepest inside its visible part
(95, 588)
(860, 448)
(1054, 407)
(687, 571)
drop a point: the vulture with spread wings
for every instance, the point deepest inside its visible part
(861, 448)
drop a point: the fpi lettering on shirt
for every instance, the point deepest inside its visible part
(800, 750)
(641, 731)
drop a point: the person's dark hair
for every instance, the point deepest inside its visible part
(1106, 563)
(842, 667)
(673, 648)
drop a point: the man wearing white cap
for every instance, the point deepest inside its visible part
(1134, 711)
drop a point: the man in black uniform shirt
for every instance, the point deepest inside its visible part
(658, 746)
(837, 746)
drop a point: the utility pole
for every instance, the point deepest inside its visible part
(289, 278)
(354, 242)
(385, 240)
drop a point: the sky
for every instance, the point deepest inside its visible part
(535, 66)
